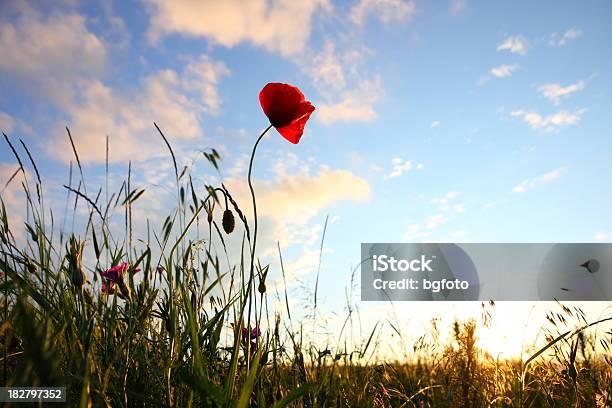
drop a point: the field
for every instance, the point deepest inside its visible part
(168, 319)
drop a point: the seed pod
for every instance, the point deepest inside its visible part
(262, 287)
(228, 221)
(262, 279)
(209, 210)
(74, 256)
(30, 266)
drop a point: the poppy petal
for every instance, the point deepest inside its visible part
(286, 108)
(293, 132)
(280, 103)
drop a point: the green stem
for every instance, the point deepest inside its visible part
(253, 197)
(253, 247)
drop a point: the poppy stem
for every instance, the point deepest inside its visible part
(253, 195)
(254, 213)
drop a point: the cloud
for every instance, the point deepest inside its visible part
(203, 76)
(545, 178)
(443, 202)
(459, 207)
(458, 6)
(516, 45)
(173, 100)
(603, 236)
(7, 123)
(434, 124)
(47, 52)
(326, 69)
(414, 232)
(551, 123)
(281, 26)
(13, 197)
(387, 11)
(375, 168)
(286, 204)
(347, 94)
(557, 40)
(298, 268)
(503, 70)
(399, 167)
(422, 230)
(10, 124)
(554, 92)
(296, 198)
(355, 104)
(434, 221)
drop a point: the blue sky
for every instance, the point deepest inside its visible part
(452, 121)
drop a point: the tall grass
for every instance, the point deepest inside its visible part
(181, 328)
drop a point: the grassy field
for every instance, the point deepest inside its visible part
(161, 320)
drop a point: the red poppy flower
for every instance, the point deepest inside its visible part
(287, 109)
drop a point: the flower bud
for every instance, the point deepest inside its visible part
(75, 261)
(262, 287)
(209, 211)
(30, 266)
(228, 221)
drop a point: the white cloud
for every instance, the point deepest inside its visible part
(326, 69)
(503, 70)
(487, 206)
(457, 6)
(554, 92)
(203, 76)
(550, 123)
(296, 198)
(47, 53)
(434, 124)
(557, 40)
(516, 45)
(443, 202)
(7, 123)
(545, 178)
(603, 236)
(459, 207)
(375, 168)
(280, 25)
(298, 268)
(173, 100)
(347, 94)
(398, 167)
(13, 197)
(286, 205)
(414, 232)
(434, 221)
(387, 11)
(355, 104)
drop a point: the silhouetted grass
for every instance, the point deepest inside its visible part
(181, 329)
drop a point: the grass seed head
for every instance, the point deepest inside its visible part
(228, 221)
